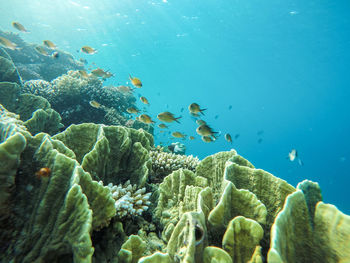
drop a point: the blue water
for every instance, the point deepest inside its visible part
(282, 65)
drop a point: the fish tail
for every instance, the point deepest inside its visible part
(176, 119)
(201, 111)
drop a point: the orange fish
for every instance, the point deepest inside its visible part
(43, 172)
(135, 81)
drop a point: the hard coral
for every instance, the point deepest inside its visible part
(129, 201)
(164, 163)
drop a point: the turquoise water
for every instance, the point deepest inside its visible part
(282, 65)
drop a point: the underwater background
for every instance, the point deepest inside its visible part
(283, 66)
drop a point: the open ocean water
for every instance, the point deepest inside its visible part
(275, 74)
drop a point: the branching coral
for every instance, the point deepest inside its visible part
(164, 163)
(130, 201)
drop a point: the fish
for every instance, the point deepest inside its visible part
(145, 119)
(95, 104)
(207, 139)
(260, 132)
(132, 110)
(43, 172)
(55, 55)
(162, 126)
(144, 100)
(161, 131)
(216, 117)
(167, 117)
(260, 140)
(178, 135)
(19, 27)
(83, 60)
(228, 137)
(230, 107)
(88, 50)
(205, 130)
(7, 43)
(101, 73)
(293, 155)
(200, 122)
(49, 44)
(236, 136)
(191, 138)
(83, 73)
(124, 89)
(182, 109)
(135, 81)
(41, 50)
(195, 109)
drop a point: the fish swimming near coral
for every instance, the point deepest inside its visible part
(145, 119)
(144, 100)
(195, 109)
(135, 81)
(88, 50)
(19, 27)
(83, 60)
(293, 155)
(95, 104)
(41, 50)
(178, 135)
(101, 73)
(191, 138)
(228, 137)
(43, 172)
(132, 110)
(200, 122)
(7, 43)
(205, 130)
(83, 73)
(124, 89)
(162, 126)
(49, 44)
(207, 139)
(167, 117)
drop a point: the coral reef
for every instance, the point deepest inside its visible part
(164, 163)
(129, 201)
(70, 95)
(32, 65)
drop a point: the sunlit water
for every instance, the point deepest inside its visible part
(282, 65)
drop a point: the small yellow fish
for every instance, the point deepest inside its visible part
(132, 110)
(162, 126)
(95, 104)
(167, 117)
(98, 72)
(41, 50)
(200, 122)
(124, 89)
(195, 109)
(49, 44)
(178, 135)
(7, 43)
(228, 137)
(144, 100)
(145, 119)
(83, 74)
(207, 139)
(161, 131)
(19, 27)
(88, 50)
(205, 130)
(135, 81)
(191, 138)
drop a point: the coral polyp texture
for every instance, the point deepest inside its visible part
(129, 201)
(163, 163)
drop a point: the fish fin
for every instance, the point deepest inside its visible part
(201, 111)
(176, 119)
(130, 77)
